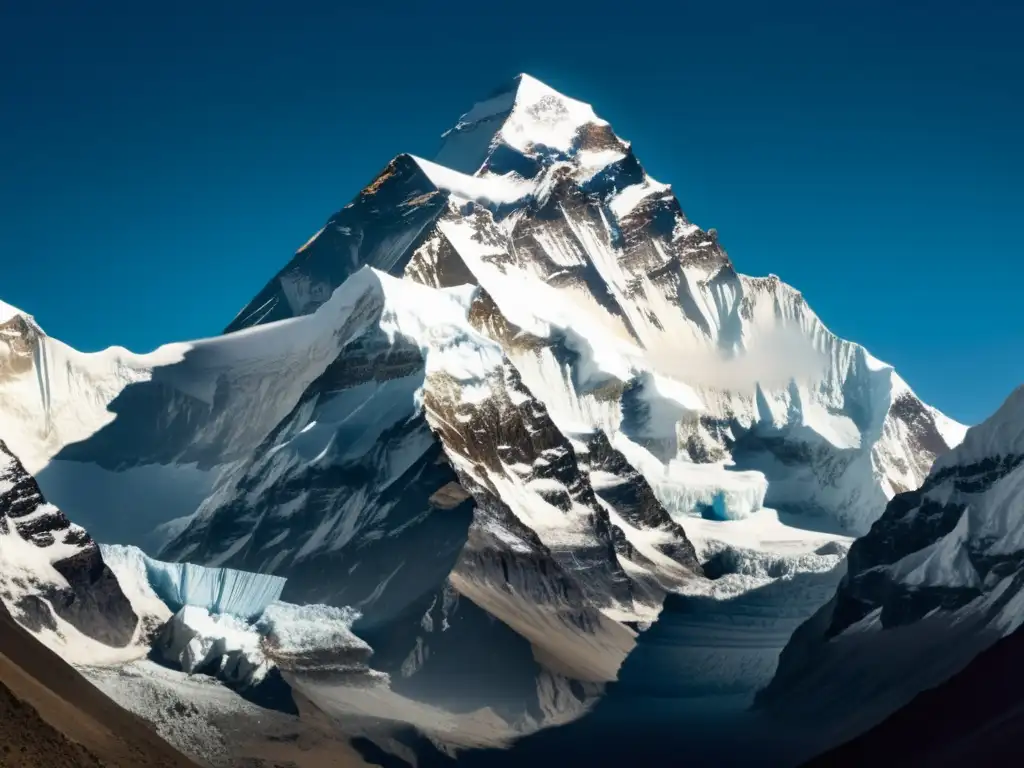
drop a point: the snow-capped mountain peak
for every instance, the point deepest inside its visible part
(526, 116)
(505, 383)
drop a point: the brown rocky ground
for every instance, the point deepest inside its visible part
(52, 717)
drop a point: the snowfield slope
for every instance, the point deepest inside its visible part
(975, 716)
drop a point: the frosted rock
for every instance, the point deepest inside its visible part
(313, 638)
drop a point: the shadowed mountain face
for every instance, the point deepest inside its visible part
(935, 582)
(977, 716)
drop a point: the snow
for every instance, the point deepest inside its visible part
(228, 620)
(684, 487)
(129, 505)
(8, 312)
(129, 566)
(944, 563)
(259, 374)
(1002, 434)
(953, 432)
(544, 117)
(218, 590)
(479, 189)
(695, 356)
(527, 116)
(590, 162)
(492, 107)
(990, 521)
(629, 198)
(27, 566)
(195, 639)
(293, 630)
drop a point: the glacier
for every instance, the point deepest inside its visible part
(178, 585)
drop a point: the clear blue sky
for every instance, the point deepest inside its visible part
(161, 160)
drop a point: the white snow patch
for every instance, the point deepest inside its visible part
(480, 189)
(623, 203)
(300, 629)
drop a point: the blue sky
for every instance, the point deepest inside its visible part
(160, 161)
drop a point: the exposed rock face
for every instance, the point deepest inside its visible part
(52, 565)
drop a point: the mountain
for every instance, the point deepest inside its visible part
(501, 405)
(51, 570)
(936, 580)
(624, 316)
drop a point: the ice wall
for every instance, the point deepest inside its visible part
(217, 590)
(688, 489)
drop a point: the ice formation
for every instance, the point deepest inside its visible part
(217, 590)
(298, 629)
(196, 640)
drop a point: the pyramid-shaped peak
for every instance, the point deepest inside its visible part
(521, 93)
(523, 114)
(530, 90)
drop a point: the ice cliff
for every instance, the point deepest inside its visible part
(217, 590)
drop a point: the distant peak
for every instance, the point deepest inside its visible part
(524, 90)
(530, 90)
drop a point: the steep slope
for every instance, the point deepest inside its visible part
(625, 316)
(51, 569)
(976, 716)
(51, 716)
(421, 439)
(55, 397)
(936, 581)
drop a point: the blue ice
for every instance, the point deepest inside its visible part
(218, 590)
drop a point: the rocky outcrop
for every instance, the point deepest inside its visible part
(54, 566)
